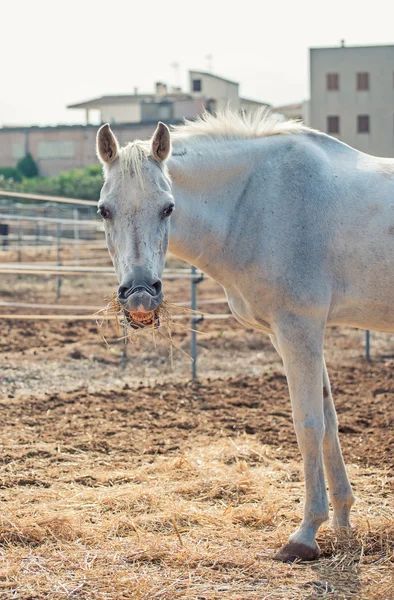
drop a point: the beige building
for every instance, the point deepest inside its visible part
(207, 92)
(352, 96)
(217, 92)
(297, 110)
(57, 149)
(162, 105)
(132, 116)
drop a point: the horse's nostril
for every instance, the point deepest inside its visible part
(157, 286)
(122, 291)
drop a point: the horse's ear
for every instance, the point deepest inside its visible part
(107, 145)
(161, 143)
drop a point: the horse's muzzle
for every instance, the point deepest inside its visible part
(140, 300)
(140, 293)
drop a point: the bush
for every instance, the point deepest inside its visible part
(11, 173)
(94, 170)
(77, 183)
(27, 166)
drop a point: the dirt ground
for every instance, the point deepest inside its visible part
(121, 478)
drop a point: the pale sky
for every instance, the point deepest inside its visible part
(55, 53)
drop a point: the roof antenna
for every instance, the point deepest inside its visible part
(175, 66)
(209, 59)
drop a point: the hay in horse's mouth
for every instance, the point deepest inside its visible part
(133, 325)
(138, 320)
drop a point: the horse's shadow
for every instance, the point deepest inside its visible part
(338, 571)
(338, 584)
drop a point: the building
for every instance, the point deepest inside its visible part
(216, 92)
(352, 96)
(207, 92)
(297, 110)
(162, 105)
(132, 116)
(63, 147)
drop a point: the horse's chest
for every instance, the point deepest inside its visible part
(245, 314)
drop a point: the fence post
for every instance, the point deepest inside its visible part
(368, 345)
(195, 319)
(59, 257)
(4, 231)
(38, 233)
(76, 234)
(20, 234)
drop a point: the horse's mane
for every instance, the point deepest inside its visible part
(231, 125)
(224, 125)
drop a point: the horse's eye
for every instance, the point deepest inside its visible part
(167, 210)
(104, 212)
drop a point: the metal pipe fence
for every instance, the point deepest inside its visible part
(58, 268)
(195, 276)
(44, 198)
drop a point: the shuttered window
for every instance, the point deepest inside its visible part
(363, 81)
(332, 81)
(197, 85)
(363, 124)
(333, 124)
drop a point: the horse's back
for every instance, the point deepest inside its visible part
(324, 229)
(360, 252)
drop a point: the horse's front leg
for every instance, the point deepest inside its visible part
(340, 490)
(300, 344)
(341, 495)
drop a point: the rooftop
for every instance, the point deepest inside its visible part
(207, 74)
(257, 102)
(65, 126)
(127, 98)
(293, 106)
(346, 47)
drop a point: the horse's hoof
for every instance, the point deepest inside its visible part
(295, 551)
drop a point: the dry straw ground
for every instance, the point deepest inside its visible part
(121, 480)
(171, 493)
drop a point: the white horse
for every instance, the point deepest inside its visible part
(296, 226)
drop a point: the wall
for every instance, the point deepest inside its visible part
(12, 145)
(348, 102)
(224, 92)
(57, 149)
(188, 109)
(249, 106)
(121, 113)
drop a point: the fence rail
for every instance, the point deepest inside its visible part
(59, 269)
(95, 308)
(45, 198)
(80, 222)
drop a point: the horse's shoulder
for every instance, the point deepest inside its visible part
(302, 155)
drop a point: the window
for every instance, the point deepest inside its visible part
(333, 124)
(197, 85)
(332, 82)
(18, 151)
(56, 149)
(211, 106)
(157, 111)
(362, 81)
(363, 124)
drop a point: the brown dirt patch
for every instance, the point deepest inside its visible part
(185, 491)
(119, 478)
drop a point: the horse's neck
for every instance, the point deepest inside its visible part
(206, 187)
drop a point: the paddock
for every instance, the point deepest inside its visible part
(123, 478)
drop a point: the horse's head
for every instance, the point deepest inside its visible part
(135, 203)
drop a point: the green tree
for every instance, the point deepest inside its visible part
(27, 166)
